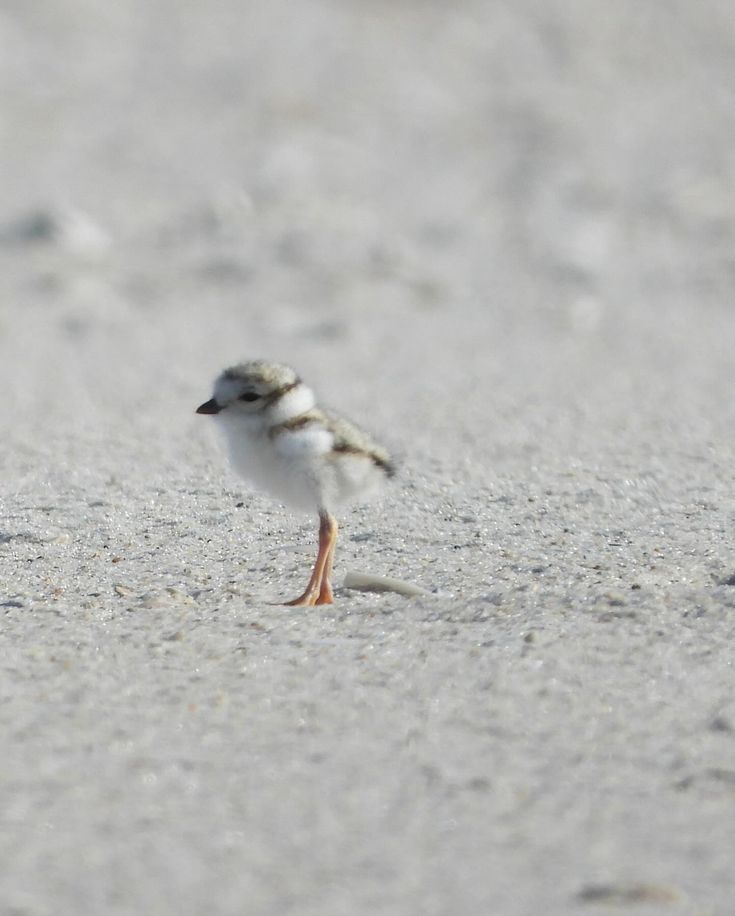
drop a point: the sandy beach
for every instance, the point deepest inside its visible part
(501, 237)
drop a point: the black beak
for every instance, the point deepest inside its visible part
(210, 406)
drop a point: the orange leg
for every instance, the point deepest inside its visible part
(319, 589)
(325, 589)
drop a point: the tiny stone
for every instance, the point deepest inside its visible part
(720, 724)
(635, 893)
(615, 599)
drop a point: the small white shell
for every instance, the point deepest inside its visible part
(366, 582)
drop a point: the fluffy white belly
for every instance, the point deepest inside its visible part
(297, 473)
(299, 467)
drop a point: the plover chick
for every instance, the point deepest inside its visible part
(309, 458)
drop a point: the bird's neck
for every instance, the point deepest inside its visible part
(291, 404)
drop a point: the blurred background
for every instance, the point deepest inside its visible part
(510, 217)
(499, 233)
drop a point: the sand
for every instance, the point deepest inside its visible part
(499, 235)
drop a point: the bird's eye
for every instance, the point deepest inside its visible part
(249, 396)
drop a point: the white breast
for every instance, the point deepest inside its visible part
(289, 466)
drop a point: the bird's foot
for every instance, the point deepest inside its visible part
(313, 596)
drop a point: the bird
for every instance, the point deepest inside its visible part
(307, 457)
